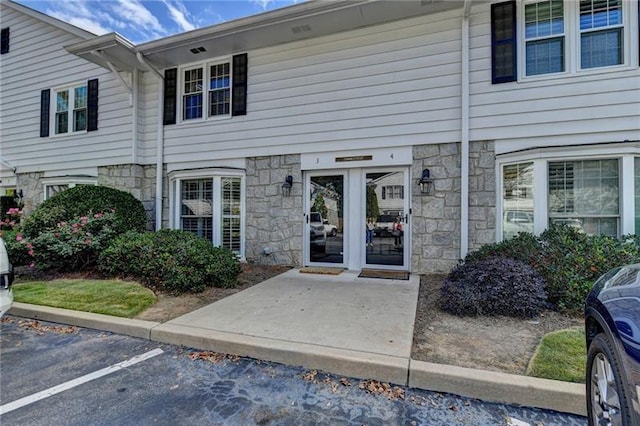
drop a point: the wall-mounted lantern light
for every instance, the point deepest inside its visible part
(426, 183)
(287, 185)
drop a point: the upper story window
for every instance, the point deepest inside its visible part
(192, 97)
(219, 89)
(218, 103)
(214, 89)
(601, 33)
(71, 110)
(544, 35)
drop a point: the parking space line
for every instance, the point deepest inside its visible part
(76, 382)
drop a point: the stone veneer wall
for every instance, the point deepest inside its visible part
(272, 220)
(482, 194)
(32, 188)
(436, 218)
(140, 181)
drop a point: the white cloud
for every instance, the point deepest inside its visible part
(135, 12)
(179, 14)
(264, 4)
(85, 23)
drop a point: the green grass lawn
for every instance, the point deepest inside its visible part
(110, 297)
(561, 355)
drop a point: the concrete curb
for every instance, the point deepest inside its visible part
(126, 326)
(335, 360)
(499, 387)
(486, 385)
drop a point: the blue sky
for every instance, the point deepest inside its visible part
(145, 20)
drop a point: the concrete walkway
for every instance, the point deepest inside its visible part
(343, 324)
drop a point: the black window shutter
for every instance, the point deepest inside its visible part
(92, 105)
(239, 85)
(503, 42)
(45, 96)
(170, 98)
(384, 193)
(4, 41)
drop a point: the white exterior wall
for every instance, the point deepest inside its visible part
(592, 106)
(389, 85)
(37, 61)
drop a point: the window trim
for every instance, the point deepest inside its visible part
(216, 175)
(53, 109)
(206, 76)
(630, 17)
(70, 182)
(541, 157)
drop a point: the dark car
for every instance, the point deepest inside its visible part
(612, 325)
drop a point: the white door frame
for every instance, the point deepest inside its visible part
(406, 203)
(306, 252)
(354, 207)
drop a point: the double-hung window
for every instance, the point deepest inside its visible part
(216, 77)
(544, 37)
(192, 97)
(219, 89)
(601, 33)
(534, 38)
(70, 110)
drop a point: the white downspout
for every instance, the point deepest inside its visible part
(134, 118)
(159, 139)
(464, 166)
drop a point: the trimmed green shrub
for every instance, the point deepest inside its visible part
(19, 250)
(74, 245)
(171, 261)
(494, 286)
(85, 200)
(523, 246)
(569, 260)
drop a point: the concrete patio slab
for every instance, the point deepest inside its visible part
(334, 311)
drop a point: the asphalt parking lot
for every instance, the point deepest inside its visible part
(56, 374)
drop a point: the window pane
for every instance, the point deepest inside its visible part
(585, 194)
(545, 56)
(601, 48)
(231, 214)
(80, 97)
(517, 199)
(62, 101)
(193, 106)
(62, 122)
(79, 120)
(51, 190)
(196, 207)
(600, 13)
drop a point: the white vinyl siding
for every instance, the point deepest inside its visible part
(597, 105)
(38, 61)
(394, 83)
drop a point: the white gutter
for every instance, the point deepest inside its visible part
(159, 139)
(464, 166)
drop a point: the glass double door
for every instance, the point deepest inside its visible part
(357, 218)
